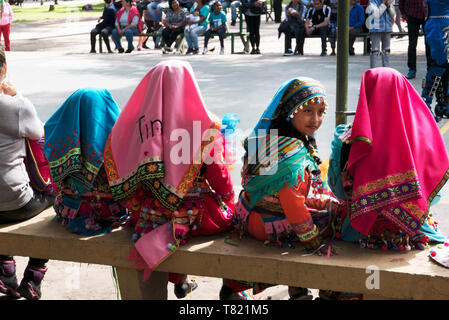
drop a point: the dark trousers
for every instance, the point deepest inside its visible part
(169, 35)
(414, 25)
(323, 31)
(253, 25)
(277, 6)
(104, 32)
(353, 33)
(220, 33)
(299, 33)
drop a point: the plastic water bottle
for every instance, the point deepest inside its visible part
(229, 122)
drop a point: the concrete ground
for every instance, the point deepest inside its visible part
(50, 60)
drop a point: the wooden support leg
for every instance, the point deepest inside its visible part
(365, 45)
(132, 287)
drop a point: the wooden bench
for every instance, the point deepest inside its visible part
(409, 275)
(243, 35)
(366, 36)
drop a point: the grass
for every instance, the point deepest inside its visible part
(61, 12)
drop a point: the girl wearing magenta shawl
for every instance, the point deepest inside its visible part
(281, 177)
(164, 158)
(392, 173)
(75, 136)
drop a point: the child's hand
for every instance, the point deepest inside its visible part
(8, 88)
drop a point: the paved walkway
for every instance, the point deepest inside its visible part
(49, 61)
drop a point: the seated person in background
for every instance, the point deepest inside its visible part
(174, 22)
(356, 21)
(179, 192)
(75, 136)
(317, 22)
(128, 23)
(191, 34)
(217, 25)
(104, 27)
(293, 26)
(234, 5)
(19, 200)
(193, 18)
(155, 8)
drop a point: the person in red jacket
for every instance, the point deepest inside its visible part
(128, 23)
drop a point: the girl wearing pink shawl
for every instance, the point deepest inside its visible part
(398, 161)
(164, 158)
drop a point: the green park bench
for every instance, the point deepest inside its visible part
(407, 275)
(243, 35)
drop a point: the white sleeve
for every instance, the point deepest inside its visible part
(375, 10)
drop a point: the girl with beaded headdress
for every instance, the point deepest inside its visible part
(281, 175)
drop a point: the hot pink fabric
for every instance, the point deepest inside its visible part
(153, 248)
(406, 150)
(169, 93)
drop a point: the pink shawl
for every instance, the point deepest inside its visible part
(160, 136)
(398, 159)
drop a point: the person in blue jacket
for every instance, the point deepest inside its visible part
(436, 81)
(356, 20)
(380, 23)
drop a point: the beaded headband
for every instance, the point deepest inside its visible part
(299, 94)
(301, 106)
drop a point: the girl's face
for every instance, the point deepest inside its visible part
(217, 7)
(308, 120)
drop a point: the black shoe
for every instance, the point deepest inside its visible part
(145, 46)
(8, 279)
(253, 51)
(332, 53)
(129, 50)
(30, 286)
(299, 293)
(93, 51)
(233, 23)
(257, 51)
(121, 50)
(289, 52)
(196, 51)
(183, 288)
(110, 51)
(226, 293)
(189, 51)
(323, 53)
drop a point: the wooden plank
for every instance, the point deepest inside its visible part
(405, 275)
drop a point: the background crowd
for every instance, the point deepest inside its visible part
(166, 20)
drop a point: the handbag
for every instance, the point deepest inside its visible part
(37, 167)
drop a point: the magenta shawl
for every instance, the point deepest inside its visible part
(398, 159)
(160, 136)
